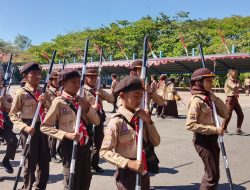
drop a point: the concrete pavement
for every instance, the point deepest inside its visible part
(180, 166)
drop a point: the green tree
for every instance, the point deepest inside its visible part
(22, 42)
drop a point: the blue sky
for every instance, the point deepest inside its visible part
(43, 20)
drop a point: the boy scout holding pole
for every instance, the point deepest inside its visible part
(6, 132)
(200, 120)
(90, 95)
(63, 109)
(113, 84)
(119, 146)
(135, 70)
(53, 91)
(25, 103)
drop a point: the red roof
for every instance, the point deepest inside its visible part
(172, 64)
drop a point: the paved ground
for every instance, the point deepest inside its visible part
(180, 167)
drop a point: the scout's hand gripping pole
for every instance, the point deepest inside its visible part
(6, 75)
(25, 150)
(78, 117)
(140, 135)
(221, 141)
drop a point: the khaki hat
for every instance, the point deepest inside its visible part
(90, 72)
(54, 75)
(128, 83)
(67, 74)
(31, 66)
(202, 73)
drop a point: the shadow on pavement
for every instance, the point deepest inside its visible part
(168, 170)
(15, 163)
(12, 178)
(196, 186)
(55, 178)
(182, 117)
(107, 172)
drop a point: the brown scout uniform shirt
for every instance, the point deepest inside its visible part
(7, 103)
(52, 93)
(247, 82)
(154, 86)
(161, 91)
(171, 91)
(91, 98)
(113, 84)
(157, 99)
(119, 143)
(66, 117)
(231, 87)
(24, 104)
(200, 116)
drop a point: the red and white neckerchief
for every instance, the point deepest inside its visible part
(84, 136)
(208, 101)
(1, 119)
(41, 111)
(135, 121)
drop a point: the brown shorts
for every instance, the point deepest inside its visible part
(125, 180)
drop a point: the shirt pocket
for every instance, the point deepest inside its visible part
(207, 114)
(127, 138)
(29, 107)
(67, 123)
(206, 110)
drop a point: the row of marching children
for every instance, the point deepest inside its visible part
(56, 121)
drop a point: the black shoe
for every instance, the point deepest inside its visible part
(98, 169)
(225, 131)
(7, 166)
(56, 160)
(1, 179)
(240, 132)
(163, 116)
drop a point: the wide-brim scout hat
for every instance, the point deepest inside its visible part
(128, 83)
(54, 75)
(136, 64)
(91, 72)
(171, 80)
(232, 70)
(31, 66)
(202, 73)
(67, 74)
(163, 77)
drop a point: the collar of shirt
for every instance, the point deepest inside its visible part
(68, 96)
(200, 95)
(29, 87)
(128, 114)
(53, 89)
(233, 80)
(86, 86)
